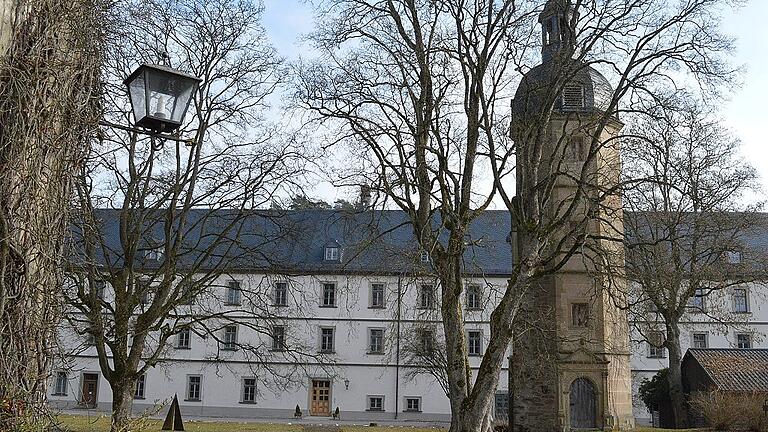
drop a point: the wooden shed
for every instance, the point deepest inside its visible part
(725, 369)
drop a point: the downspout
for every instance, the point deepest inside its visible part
(397, 349)
(514, 243)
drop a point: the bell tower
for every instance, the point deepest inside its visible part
(571, 358)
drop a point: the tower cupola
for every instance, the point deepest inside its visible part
(556, 35)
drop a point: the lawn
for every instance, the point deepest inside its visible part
(101, 424)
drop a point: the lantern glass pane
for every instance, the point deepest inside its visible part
(137, 89)
(168, 95)
(184, 96)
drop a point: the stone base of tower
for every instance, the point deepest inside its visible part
(595, 391)
(579, 390)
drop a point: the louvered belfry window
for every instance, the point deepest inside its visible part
(573, 97)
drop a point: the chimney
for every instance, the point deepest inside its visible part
(365, 197)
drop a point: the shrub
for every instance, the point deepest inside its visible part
(730, 411)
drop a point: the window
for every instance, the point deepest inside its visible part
(424, 256)
(281, 294)
(154, 254)
(329, 295)
(183, 339)
(475, 343)
(60, 385)
(194, 387)
(326, 339)
(474, 297)
(412, 404)
(696, 303)
(233, 293)
(375, 403)
(655, 341)
(331, 253)
(249, 390)
(743, 341)
(699, 340)
(375, 341)
(501, 406)
(99, 287)
(573, 96)
(377, 295)
(187, 293)
(427, 297)
(230, 337)
(426, 340)
(580, 314)
(140, 383)
(549, 31)
(146, 296)
(278, 338)
(740, 301)
(732, 257)
(575, 150)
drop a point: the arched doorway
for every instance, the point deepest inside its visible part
(583, 404)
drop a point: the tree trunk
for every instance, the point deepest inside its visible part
(675, 378)
(122, 401)
(471, 401)
(49, 83)
(455, 342)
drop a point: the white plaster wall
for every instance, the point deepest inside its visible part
(368, 374)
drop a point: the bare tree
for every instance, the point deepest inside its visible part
(421, 89)
(50, 58)
(162, 221)
(690, 227)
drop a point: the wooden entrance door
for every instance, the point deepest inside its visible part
(583, 404)
(320, 398)
(90, 390)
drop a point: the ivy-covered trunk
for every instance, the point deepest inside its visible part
(50, 60)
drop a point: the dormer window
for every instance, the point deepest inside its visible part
(572, 97)
(154, 254)
(732, 257)
(424, 256)
(331, 253)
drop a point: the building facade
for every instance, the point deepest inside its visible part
(341, 325)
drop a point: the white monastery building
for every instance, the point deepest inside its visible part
(346, 330)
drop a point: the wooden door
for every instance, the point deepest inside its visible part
(583, 404)
(90, 390)
(320, 398)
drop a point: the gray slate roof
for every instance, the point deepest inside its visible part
(371, 241)
(734, 369)
(294, 241)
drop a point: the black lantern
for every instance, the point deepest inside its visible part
(160, 96)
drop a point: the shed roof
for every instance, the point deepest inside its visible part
(734, 369)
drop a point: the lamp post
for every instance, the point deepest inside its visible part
(160, 97)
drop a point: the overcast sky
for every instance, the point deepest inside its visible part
(745, 112)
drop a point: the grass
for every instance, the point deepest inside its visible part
(101, 424)
(649, 429)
